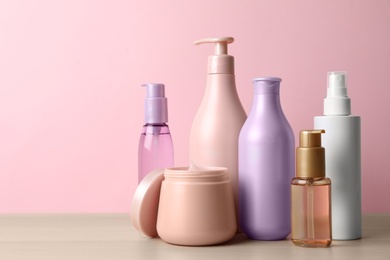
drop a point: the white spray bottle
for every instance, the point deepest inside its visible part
(343, 158)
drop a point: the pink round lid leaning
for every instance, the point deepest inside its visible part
(144, 205)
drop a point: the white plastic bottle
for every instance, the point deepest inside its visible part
(343, 158)
(217, 124)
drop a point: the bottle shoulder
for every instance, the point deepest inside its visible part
(221, 109)
(320, 181)
(267, 119)
(221, 97)
(263, 127)
(332, 117)
(156, 129)
(219, 119)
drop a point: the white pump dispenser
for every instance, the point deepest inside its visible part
(217, 124)
(343, 158)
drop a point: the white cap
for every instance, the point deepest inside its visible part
(337, 102)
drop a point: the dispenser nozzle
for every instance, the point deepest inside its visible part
(310, 138)
(337, 101)
(154, 90)
(221, 62)
(220, 44)
(337, 85)
(310, 156)
(156, 106)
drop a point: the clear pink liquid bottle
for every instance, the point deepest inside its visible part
(311, 194)
(155, 146)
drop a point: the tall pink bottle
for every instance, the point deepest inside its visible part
(155, 145)
(266, 165)
(217, 124)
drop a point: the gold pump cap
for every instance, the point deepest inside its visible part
(310, 155)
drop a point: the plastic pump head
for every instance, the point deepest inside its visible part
(310, 138)
(310, 154)
(156, 105)
(220, 62)
(337, 102)
(220, 44)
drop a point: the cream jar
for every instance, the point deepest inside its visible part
(194, 207)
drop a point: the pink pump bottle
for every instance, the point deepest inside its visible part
(217, 124)
(155, 145)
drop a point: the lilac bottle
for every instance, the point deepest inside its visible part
(155, 145)
(266, 165)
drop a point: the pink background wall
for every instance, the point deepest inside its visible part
(71, 105)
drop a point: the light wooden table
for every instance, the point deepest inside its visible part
(111, 237)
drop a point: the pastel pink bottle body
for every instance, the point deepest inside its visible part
(217, 124)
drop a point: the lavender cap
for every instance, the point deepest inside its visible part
(267, 85)
(156, 105)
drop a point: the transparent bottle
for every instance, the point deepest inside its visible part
(155, 145)
(311, 194)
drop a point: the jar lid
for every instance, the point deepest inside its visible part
(204, 174)
(144, 205)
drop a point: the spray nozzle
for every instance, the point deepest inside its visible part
(337, 101)
(220, 44)
(220, 62)
(337, 86)
(154, 90)
(156, 107)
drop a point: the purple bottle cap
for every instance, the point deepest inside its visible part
(156, 105)
(267, 85)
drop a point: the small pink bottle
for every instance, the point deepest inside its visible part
(311, 194)
(155, 145)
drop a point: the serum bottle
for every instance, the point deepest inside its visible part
(311, 194)
(155, 148)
